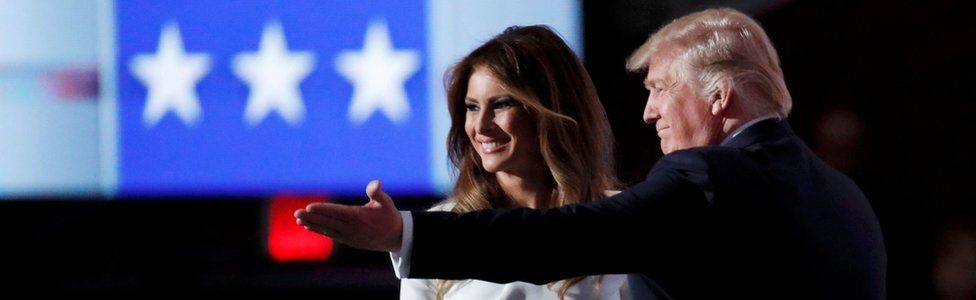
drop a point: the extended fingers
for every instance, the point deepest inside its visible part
(321, 229)
(339, 212)
(306, 217)
(316, 224)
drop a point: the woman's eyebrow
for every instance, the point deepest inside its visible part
(499, 97)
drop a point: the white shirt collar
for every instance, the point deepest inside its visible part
(742, 128)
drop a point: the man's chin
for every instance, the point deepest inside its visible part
(666, 149)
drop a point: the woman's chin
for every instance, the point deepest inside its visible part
(491, 169)
(491, 166)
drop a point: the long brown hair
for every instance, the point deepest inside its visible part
(573, 132)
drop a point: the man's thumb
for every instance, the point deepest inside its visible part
(375, 192)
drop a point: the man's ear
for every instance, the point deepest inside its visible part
(721, 98)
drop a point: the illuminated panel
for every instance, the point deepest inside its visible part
(288, 241)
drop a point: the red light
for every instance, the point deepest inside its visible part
(288, 241)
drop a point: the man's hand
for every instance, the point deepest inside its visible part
(375, 226)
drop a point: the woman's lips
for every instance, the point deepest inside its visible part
(493, 146)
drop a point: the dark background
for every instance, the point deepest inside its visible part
(882, 90)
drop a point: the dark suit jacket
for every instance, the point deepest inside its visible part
(759, 217)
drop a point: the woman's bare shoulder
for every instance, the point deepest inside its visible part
(610, 193)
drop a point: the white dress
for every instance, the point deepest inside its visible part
(610, 287)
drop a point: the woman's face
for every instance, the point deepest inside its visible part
(498, 126)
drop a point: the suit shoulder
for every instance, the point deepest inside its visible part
(703, 166)
(700, 157)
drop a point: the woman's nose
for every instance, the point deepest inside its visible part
(486, 121)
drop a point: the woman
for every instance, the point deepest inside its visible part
(527, 130)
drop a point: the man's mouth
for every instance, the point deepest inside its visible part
(660, 130)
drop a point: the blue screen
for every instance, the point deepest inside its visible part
(329, 149)
(238, 98)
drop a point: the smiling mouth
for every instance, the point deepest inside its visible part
(662, 130)
(492, 147)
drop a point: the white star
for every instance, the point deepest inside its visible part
(274, 74)
(378, 74)
(170, 76)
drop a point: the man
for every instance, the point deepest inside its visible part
(738, 206)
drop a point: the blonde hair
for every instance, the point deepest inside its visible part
(574, 135)
(716, 45)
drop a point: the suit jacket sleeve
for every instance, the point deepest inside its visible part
(649, 225)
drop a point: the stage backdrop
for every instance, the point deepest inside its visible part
(252, 98)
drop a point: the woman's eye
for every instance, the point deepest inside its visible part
(504, 104)
(470, 107)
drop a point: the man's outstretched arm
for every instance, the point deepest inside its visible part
(605, 236)
(650, 226)
(376, 226)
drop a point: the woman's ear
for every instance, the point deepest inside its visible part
(721, 98)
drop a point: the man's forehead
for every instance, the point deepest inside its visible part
(660, 64)
(658, 69)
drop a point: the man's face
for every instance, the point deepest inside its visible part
(682, 117)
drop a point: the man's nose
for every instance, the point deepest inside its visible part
(650, 112)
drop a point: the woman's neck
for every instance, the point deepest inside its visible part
(526, 189)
